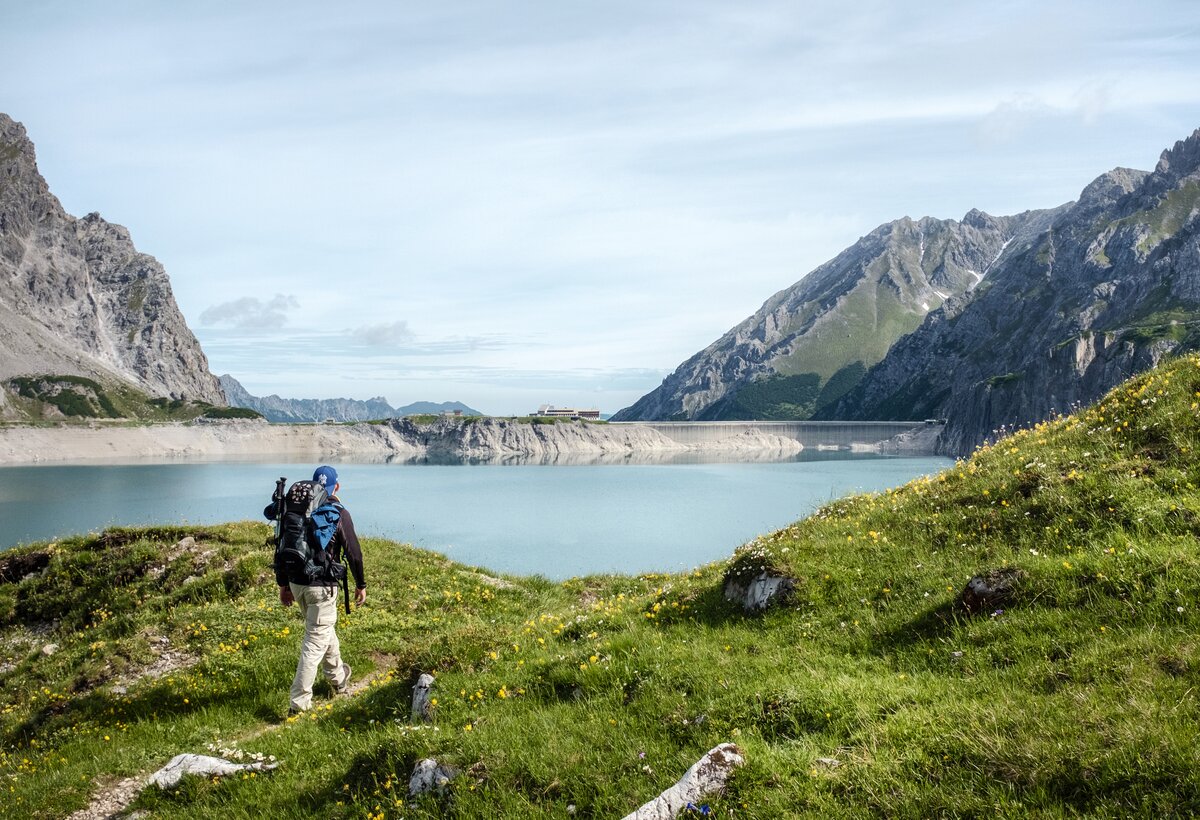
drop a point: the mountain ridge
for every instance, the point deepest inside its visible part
(1110, 289)
(811, 341)
(1078, 298)
(77, 298)
(277, 409)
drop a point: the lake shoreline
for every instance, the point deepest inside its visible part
(554, 519)
(450, 439)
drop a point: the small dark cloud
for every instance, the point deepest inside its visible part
(251, 312)
(388, 334)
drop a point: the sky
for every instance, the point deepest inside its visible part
(525, 203)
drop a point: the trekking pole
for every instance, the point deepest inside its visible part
(279, 499)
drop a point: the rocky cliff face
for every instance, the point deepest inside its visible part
(77, 298)
(275, 408)
(810, 343)
(1108, 289)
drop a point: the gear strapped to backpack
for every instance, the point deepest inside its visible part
(307, 521)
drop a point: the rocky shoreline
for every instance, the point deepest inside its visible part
(492, 439)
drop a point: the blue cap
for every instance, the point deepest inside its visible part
(326, 476)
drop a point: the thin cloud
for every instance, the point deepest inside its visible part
(457, 345)
(1010, 119)
(388, 334)
(1093, 101)
(250, 312)
(1017, 115)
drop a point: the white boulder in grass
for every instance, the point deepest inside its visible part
(430, 776)
(706, 776)
(168, 776)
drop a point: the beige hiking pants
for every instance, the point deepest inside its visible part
(320, 647)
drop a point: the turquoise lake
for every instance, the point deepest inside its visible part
(555, 520)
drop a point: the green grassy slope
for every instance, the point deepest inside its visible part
(826, 362)
(1076, 697)
(78, 399)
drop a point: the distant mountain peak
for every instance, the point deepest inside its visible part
(1182, 159)
(1108, 188)
(978, 219)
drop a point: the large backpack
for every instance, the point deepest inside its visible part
(307, 523)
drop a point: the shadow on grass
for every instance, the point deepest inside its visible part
(159, 700)
(936, 621)
(388, 701)
(706, 606)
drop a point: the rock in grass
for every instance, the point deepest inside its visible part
(168, 776)
(430, 776)
(707, 775)
(422, 706)
(990, 591)
(760, 592)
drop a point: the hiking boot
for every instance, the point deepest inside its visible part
(293, 712)
(344, 687)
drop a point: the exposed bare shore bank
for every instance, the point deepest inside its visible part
(198, 440)
(402, 440)
(482, 440)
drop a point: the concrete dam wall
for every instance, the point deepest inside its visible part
(816, 435)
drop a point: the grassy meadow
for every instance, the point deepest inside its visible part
(871, 692)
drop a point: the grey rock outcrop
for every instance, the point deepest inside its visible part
(422, 699)
(77, 298)
(1107, 290)
(760, 593)
(810, 343)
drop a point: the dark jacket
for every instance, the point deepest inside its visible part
(344, 546)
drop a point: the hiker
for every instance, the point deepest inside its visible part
(318, 600)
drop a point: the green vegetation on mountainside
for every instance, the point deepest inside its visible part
(870, 693)
(769, 399)
(77, 398)
(824, 364)
(1166, 218)
(785, 398)
(867, 324)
